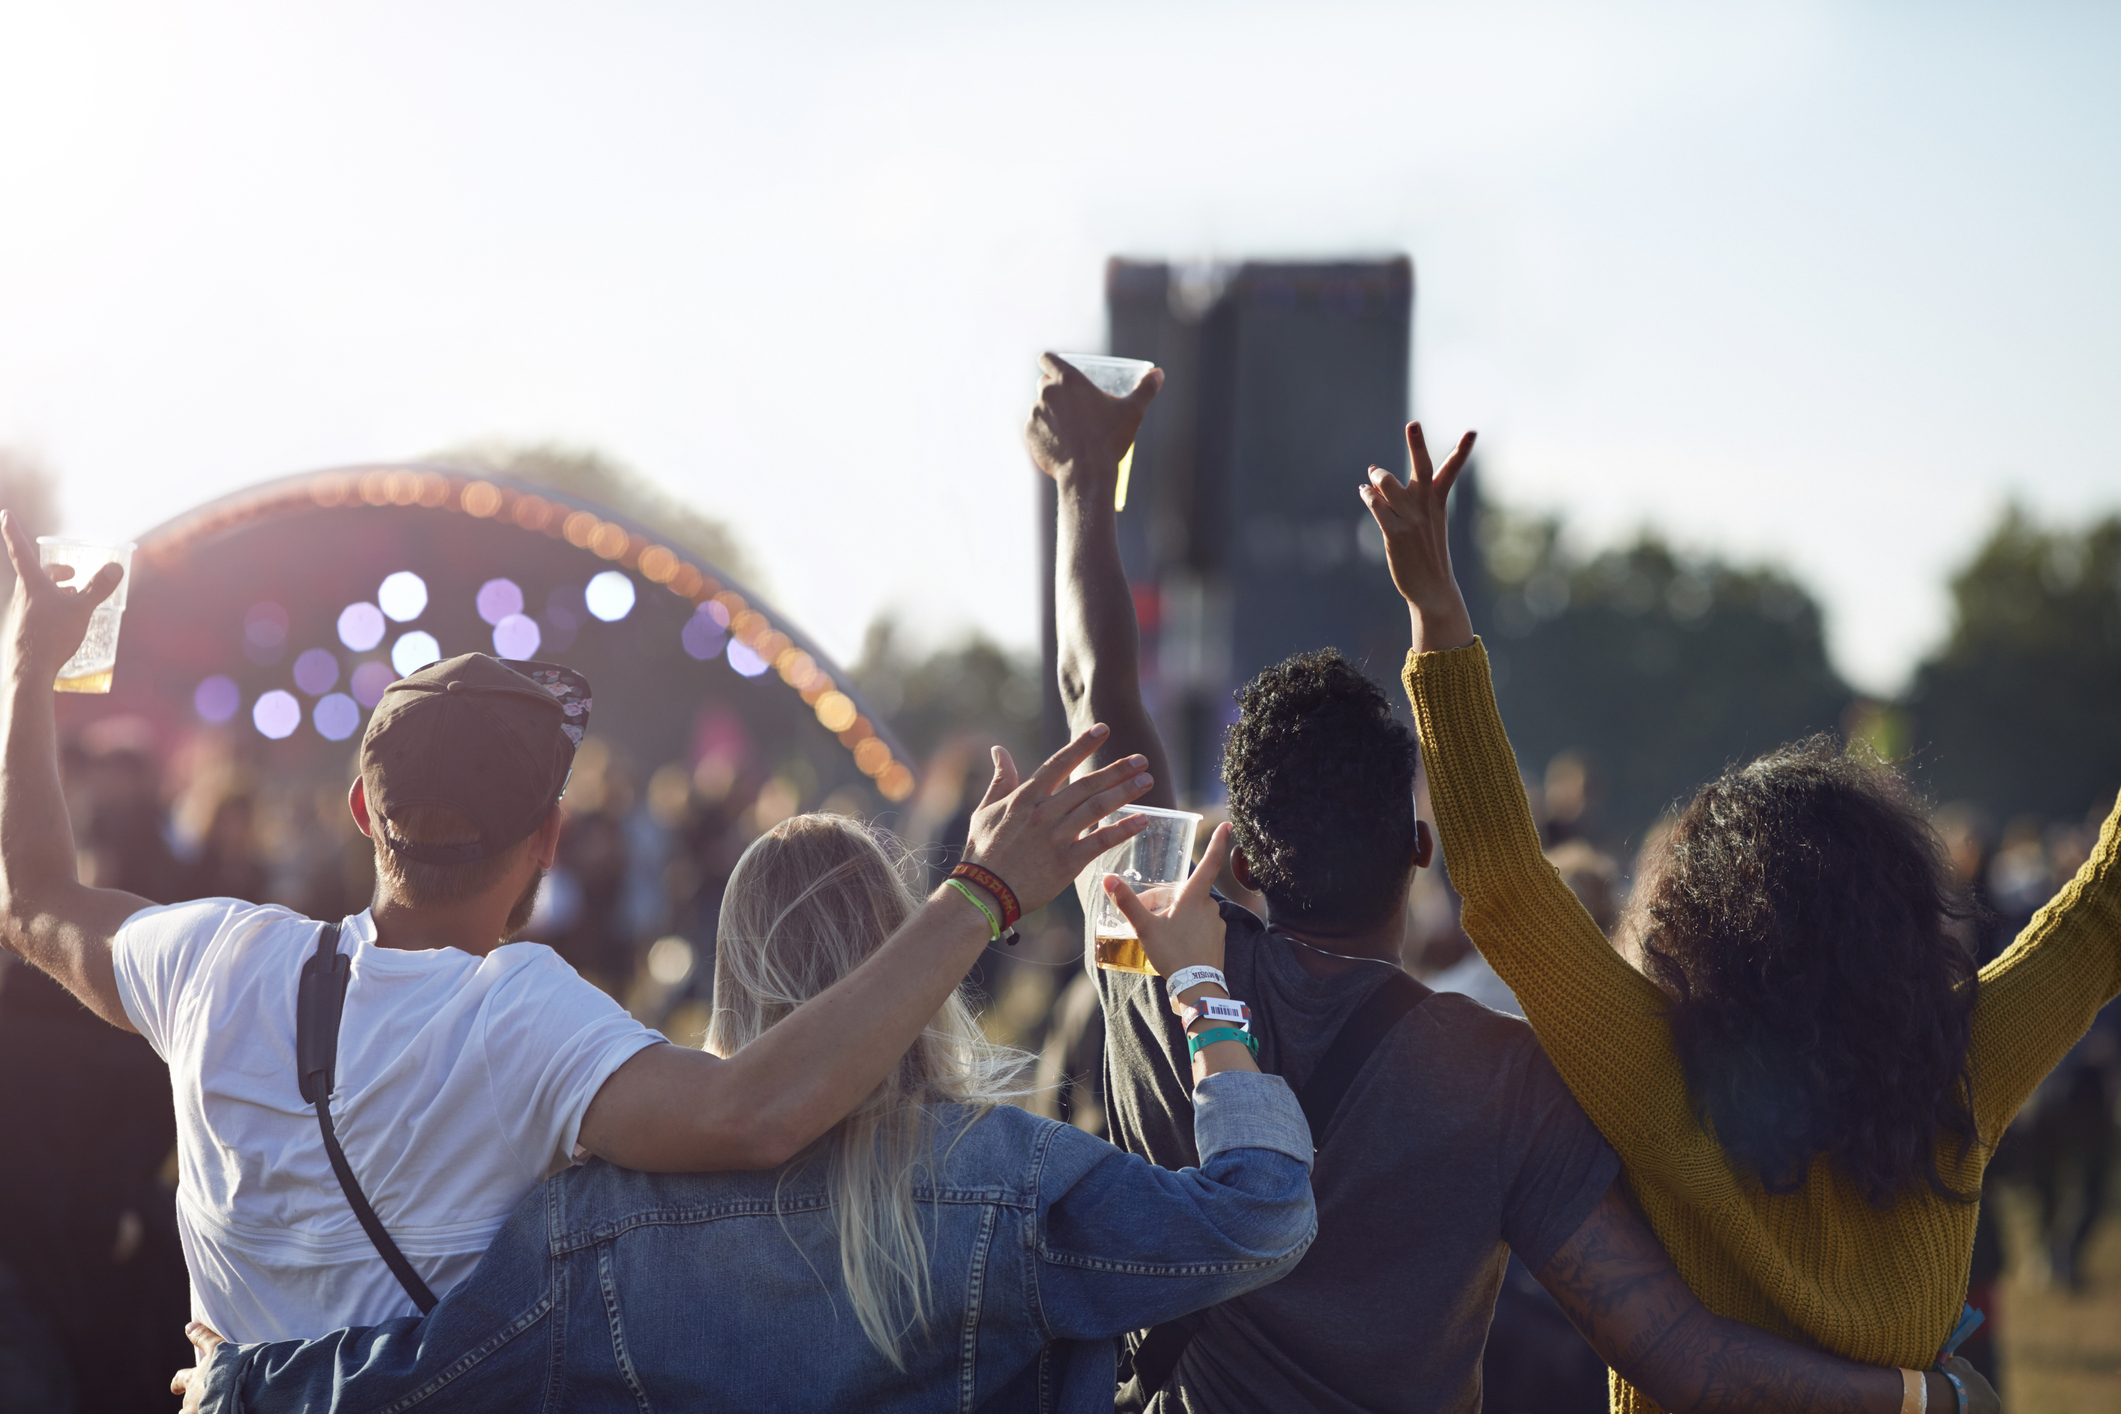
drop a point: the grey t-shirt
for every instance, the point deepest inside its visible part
(1456, 1145)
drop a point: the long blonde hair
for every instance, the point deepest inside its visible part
(808, 902)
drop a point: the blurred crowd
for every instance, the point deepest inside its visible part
(87, 1239)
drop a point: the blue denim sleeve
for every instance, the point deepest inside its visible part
(1123, 1244)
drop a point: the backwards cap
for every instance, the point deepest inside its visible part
(492, 740)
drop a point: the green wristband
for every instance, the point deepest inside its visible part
(1222, 1033)
(994, 923)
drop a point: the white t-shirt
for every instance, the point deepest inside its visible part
(461, 1083)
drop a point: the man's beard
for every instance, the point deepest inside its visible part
(526, 903)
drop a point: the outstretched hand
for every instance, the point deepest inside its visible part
(1040, 833)
(47, 619)
(1076, 429)
(1179, 925)
(1412, 515)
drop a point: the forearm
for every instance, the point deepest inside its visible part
(46, 916)
(1100, 643)
(1708, 1364)
(760, 1107)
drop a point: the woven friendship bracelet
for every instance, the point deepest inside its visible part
(1194, 1044)
(992, 883)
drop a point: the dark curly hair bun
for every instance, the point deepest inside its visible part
(1321, 781)
(1798, 917)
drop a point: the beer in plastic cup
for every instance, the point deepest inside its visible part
(1155, 862)
(89, 669)
(1117, 376)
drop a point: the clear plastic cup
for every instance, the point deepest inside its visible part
(1117, 376)
(1155, 862)
(89, 670)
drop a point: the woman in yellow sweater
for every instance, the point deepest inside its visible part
(1805, 1088)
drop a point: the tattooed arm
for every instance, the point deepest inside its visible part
(1621, 1291)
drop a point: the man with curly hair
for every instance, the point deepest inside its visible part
(1455, 1142)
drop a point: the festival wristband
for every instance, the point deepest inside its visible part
(1215, 1009)
(1914, 1392)
(1195, 1044)
(992, 882)
(1187, 978)
(994, 925)
(1958, 1388)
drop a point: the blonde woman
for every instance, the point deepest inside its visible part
(939, 1249)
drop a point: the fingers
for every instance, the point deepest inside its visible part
(101, 586)
(1004, 778)
(1418, 450)
(1062, 763)
(180, 1383)
(1111, 836)
(1145, 391)
(1088, 810)
(1210, 867)
(1129, 903)
(202, 1336)
(1455, 463)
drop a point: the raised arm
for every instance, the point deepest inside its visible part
(1597, 1017)
(671, 1109)
(1621, 1291)
(1076, 435)
(47, 915)
(2039, 998)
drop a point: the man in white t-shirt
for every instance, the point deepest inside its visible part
(467, 1067)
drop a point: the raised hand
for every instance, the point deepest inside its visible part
(1183, 927)
(1033, 834)
(48, 619)
(1077, 429)
(1412, 515)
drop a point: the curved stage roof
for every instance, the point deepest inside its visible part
(278, 613)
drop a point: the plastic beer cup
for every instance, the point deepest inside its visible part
(1117, 376)
(89, 670)
(1154, 863)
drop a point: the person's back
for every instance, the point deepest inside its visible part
(938, 1249)
(1456, 1145)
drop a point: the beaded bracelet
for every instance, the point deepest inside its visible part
(1004, 895)
(1194, 1044)
(994, 925)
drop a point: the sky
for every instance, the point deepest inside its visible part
(1819, 284)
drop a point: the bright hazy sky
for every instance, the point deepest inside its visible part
(1821, 283)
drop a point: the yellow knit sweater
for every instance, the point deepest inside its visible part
(1882, 1287)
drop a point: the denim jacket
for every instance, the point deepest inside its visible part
(614, 1290)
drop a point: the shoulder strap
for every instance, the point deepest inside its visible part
(1157, 1356)
(318, 1007)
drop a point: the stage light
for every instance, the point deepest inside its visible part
(516, 636)
(835, 711)
(498, 598)
(670, 960)
(317, 672)
(413, 652)
(369, 681)
(403, 596)
(609, 596)
(336, 717)
(276, 714)
(216, 699)
(361, 626)
(744, 660)
(702, 636)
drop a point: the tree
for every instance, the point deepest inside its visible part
(1654, 668)
(2020, 711)
(975, 687)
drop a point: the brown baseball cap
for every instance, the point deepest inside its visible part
(492, 740)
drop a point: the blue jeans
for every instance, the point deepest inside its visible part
(614, 1290)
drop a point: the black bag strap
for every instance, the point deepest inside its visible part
(318, 1007)
(1157, 1356)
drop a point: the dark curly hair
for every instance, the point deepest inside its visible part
(1321, 781)
(1797, 916)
